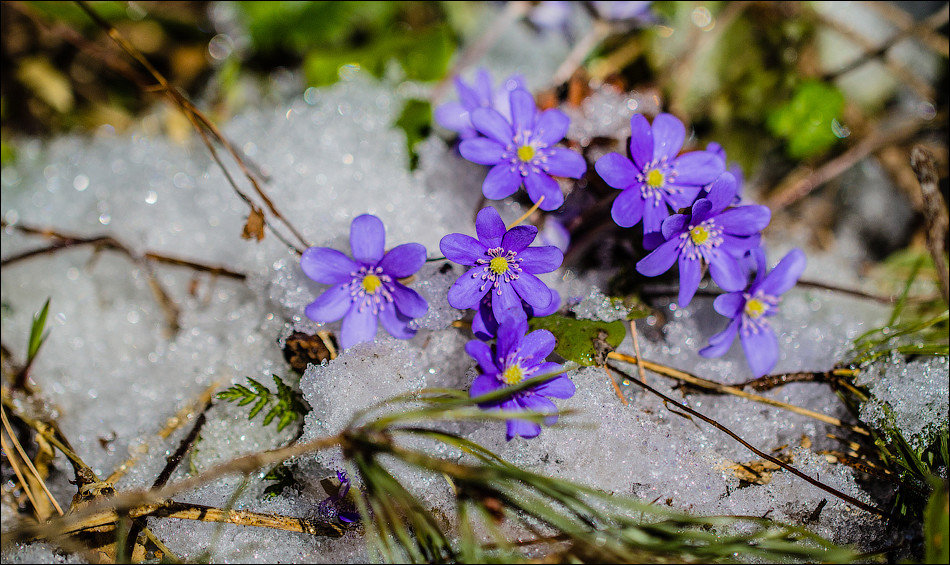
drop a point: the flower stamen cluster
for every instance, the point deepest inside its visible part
(500, 266)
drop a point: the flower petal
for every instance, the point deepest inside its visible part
(501, 182)
(722, 192)
(482, 85)
(538, 403)
(744, 220)
(468, 289)
(409, 302)
(616, 170)
(730, 304)
(558, 387)
(327, 266)
(483, 384)
(761, 350)
(467, 95)
(738, 246)
(627, 209)
(367, 238)
(660, 259)
(563, 162)
(481, 353)
(552, 126)
(552, 308)
(492, 124)
(510, 334)
(489, 227)
(358, 326)
(461, 248)
(532, 290)
(654, 212)
(681, 195)
(785, 274)
(484, 324)
(641, 141)
(536, 346)
(725, 270)
(720, 343)
(523, 110)
(522, 428)
(698, 168)
(482, 150)
(506, 305)
(700, 211)
(395, 323)
(453, 116)
(403, 260)
(518, 238)
(674, 225)
(716, 150)
(540, 184)
(544, 259)
(331, 305)
(690, 274)
(668, 136)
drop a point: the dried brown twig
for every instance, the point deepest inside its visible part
(935, 213)
(204, 126)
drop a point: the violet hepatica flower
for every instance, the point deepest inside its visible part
(366, 288)
(733, 168)
(522, 151)
(656, 179)
(750, 310)
(709, 235)
(338, 506)
(503, 267)
(485, 324)
(517, 357)
(456, 115)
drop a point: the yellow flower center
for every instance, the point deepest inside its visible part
(655, 178)
(498, 265)
(755, 308)
(513, 375)
(526, 153)
(699, 235)
(371, 283)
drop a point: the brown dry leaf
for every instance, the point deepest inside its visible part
(254, 228)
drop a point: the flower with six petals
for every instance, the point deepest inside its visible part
(750, 310)
(503, 267)
(656, 179)
(366, 289)
(521, 151)
(709, 235)
(517, 357)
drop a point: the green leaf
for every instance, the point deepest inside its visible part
(936, 526)
(582, 341)
(37, 335)
(288, 407)
(283, 477)
(807, 122)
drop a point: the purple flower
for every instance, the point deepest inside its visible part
(366, 288)
(456, 116)
(485, 325)
(503, 267)
(338, 506)
(750, 310)
(709, 235)
(733, 168)
(656, 179)
(624, 10)
(517, 357)
(521, 151)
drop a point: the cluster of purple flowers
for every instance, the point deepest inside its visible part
(690, 208)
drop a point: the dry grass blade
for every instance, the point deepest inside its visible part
(37, 477)
(935, 213)
(14, 462)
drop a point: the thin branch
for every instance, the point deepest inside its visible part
(706, 384)
(201, 123)
(829, 489)
(935, 213)
(803, 180)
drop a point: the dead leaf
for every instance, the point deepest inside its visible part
(254, 228)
